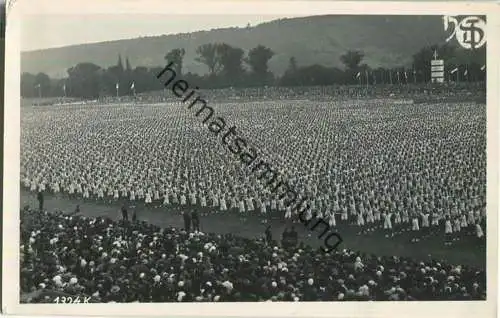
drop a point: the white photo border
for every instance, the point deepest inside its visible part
(11, 189)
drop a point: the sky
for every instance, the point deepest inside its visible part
(47, 31)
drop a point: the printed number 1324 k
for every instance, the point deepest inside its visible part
(71, 300)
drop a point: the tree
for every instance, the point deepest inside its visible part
(292, 65)
(231, 59)
(207, 54)
(120, 64)
(352, 59)
(257, 60)
(176, 56)
(85, 80)
(43, 80)
(258, 57)
(28, 83)
(127, 65)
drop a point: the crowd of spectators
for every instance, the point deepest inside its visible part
(122, 261)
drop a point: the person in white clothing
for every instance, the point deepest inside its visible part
(344, 216)
(331, 220)
(388, 224)
(456, 228)
(250, 207)
(183, 199)
(148, 200)
(241, 207)
(415, 228)
(360, 222)
(479, 231)
(166, 198)
(288, 212)
(448, 230)
(425, 223)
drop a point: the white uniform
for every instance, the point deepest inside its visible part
(183, 199)
(406, 217)
(471, 217)
(447, 227)
(166, 199)
(148, 198)
(361, 220)
(414, 224)
(223, 205)
(331, 221)
(263, 208)
(463, 221)
(397, 218)
(344, 215)
(425, 220)
(241, 206)
(387, 221)
(132, 195)
(273, 204)
(479, 231)
(288, 213)
(456, 225)
(203, 201)
(116, 196)
(281, 204)
(250, 206)
(435, 219)
(369, 217)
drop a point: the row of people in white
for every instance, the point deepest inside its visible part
(363, 216)
(228, 201)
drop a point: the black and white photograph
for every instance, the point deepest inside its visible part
(329, 157)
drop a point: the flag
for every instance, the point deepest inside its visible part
(117, 85)
(483, 67)
(453, 71)
(37, 86)
(466, 72)
(358, 75)
(406, 75)
(132, 86)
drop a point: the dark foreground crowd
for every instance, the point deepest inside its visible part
(132, 261)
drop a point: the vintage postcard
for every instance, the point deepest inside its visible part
(192, 159)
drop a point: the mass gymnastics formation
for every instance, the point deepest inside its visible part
(376, 165)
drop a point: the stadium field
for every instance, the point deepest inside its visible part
(364, 146)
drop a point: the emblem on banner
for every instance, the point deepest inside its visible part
(469, 32)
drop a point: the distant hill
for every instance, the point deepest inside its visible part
(387, 41)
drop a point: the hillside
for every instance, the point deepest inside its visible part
(386, 40)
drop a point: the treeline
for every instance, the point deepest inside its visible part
(229, 66)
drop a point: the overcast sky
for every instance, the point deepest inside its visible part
(46, 31)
